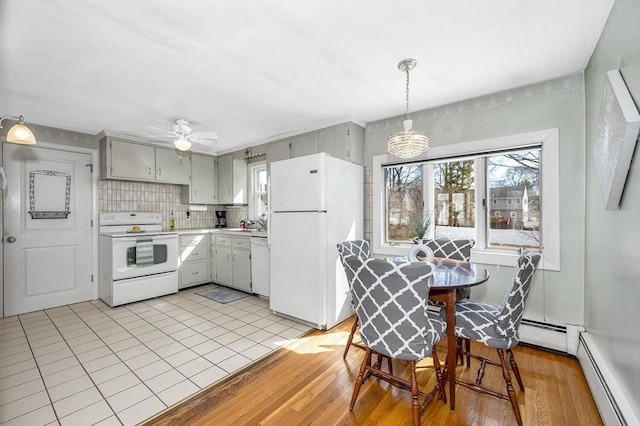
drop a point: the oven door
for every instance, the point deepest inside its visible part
(161, 251)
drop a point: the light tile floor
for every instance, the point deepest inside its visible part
(88, 363)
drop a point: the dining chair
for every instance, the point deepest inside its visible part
(358, 248)
(458, 250)
(391, 304)
(449, 248)
(497, 327)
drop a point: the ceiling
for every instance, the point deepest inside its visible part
(255, 71)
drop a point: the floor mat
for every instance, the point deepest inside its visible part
(223, 294)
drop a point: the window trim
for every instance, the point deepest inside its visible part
(550, 192)
(251, 211)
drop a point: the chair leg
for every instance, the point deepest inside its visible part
(350, 339)
(459, 354)
(389, 365)
(414, 394)
(510, 390)
(366, 362)
(467, 348)
(514, 367)
(439, 376)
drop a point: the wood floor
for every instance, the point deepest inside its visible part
(308, 383)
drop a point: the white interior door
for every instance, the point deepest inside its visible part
(47, 228)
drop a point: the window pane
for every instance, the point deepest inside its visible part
(514, 176)
(454, 199)
(404, 201)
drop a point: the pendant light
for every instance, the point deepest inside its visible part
(407, 144)
(19, 132)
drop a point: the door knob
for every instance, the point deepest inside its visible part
(11, 239)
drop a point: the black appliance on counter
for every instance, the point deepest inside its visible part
(221, 219)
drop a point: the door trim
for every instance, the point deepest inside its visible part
(95, 160)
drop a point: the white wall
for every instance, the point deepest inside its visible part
(556, 297)
(612, 266)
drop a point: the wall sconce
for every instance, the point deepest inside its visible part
(19, 132)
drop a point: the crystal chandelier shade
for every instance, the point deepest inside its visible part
(407, 144)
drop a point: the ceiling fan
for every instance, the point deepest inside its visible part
(183, 136)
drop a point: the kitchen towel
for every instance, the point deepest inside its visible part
(144, 251)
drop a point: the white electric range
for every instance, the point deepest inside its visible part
(138, 260)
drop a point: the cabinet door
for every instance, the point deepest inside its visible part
(225, 165)
(306, 144)
(277, 151)
(130, 160)
(192, 273)
(240, 182)
(203, 179)
(223, 266)
(242, 270)
(345, 141)
(171, 167)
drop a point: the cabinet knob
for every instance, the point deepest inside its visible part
(159, 171)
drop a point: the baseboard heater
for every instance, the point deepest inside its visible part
(613, 405)
(557, 337)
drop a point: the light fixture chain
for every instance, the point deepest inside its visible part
(407, 112)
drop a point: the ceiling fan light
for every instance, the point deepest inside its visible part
(182, 144)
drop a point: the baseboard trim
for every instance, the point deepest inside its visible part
(613, 405)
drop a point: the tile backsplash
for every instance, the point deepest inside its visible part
(124, 196)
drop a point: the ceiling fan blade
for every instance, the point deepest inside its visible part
(161, 136)
(204, 135)
(203, 142)
(160, 129)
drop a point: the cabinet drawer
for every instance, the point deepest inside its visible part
(194, 272)
(223, 240)
(193, 253)
(193, 239)
(241, 243)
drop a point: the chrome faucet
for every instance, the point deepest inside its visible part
(260, 222)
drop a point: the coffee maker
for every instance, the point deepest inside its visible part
(221, 219)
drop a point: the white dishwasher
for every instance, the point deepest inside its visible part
(260, 266)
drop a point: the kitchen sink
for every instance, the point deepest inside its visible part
(247, 230)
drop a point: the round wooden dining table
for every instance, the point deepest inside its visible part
(449, 277)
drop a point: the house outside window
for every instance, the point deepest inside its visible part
(490, 193)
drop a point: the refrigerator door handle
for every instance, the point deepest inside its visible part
(269, 212)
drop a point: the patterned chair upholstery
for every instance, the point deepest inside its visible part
(358, 248)
(391, 305)
(497, 326)
(448, 248)
(361, 249)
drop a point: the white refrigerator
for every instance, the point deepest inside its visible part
(315, 203)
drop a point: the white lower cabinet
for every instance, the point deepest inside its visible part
(194, 259)
(232, 260)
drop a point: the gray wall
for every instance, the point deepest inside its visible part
(612, 256)
(556, 297)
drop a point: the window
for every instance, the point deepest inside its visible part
(459, 189)
(258, 190)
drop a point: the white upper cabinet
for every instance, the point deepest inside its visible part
(123, 159)
(232, 180)
(240, 181)
(277, 151)
(225, 176)
(172, 167)
(305, 144)
(345, 141)
(203, 187)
